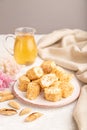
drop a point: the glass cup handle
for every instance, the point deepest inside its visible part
(6, 46)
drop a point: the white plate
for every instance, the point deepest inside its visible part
(41, 102)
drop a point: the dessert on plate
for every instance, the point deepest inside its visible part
(48, 78)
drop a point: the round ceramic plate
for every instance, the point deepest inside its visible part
(41, 102)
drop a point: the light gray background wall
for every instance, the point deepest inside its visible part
(44, 15)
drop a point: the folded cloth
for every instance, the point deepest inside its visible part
(68, 48)
(80, 112)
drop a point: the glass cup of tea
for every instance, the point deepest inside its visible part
(25, 48)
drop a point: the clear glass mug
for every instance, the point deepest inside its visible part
(25, 48)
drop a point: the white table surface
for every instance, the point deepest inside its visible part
(53, 118)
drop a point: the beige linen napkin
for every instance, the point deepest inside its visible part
(68, 48)
(80, 112)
